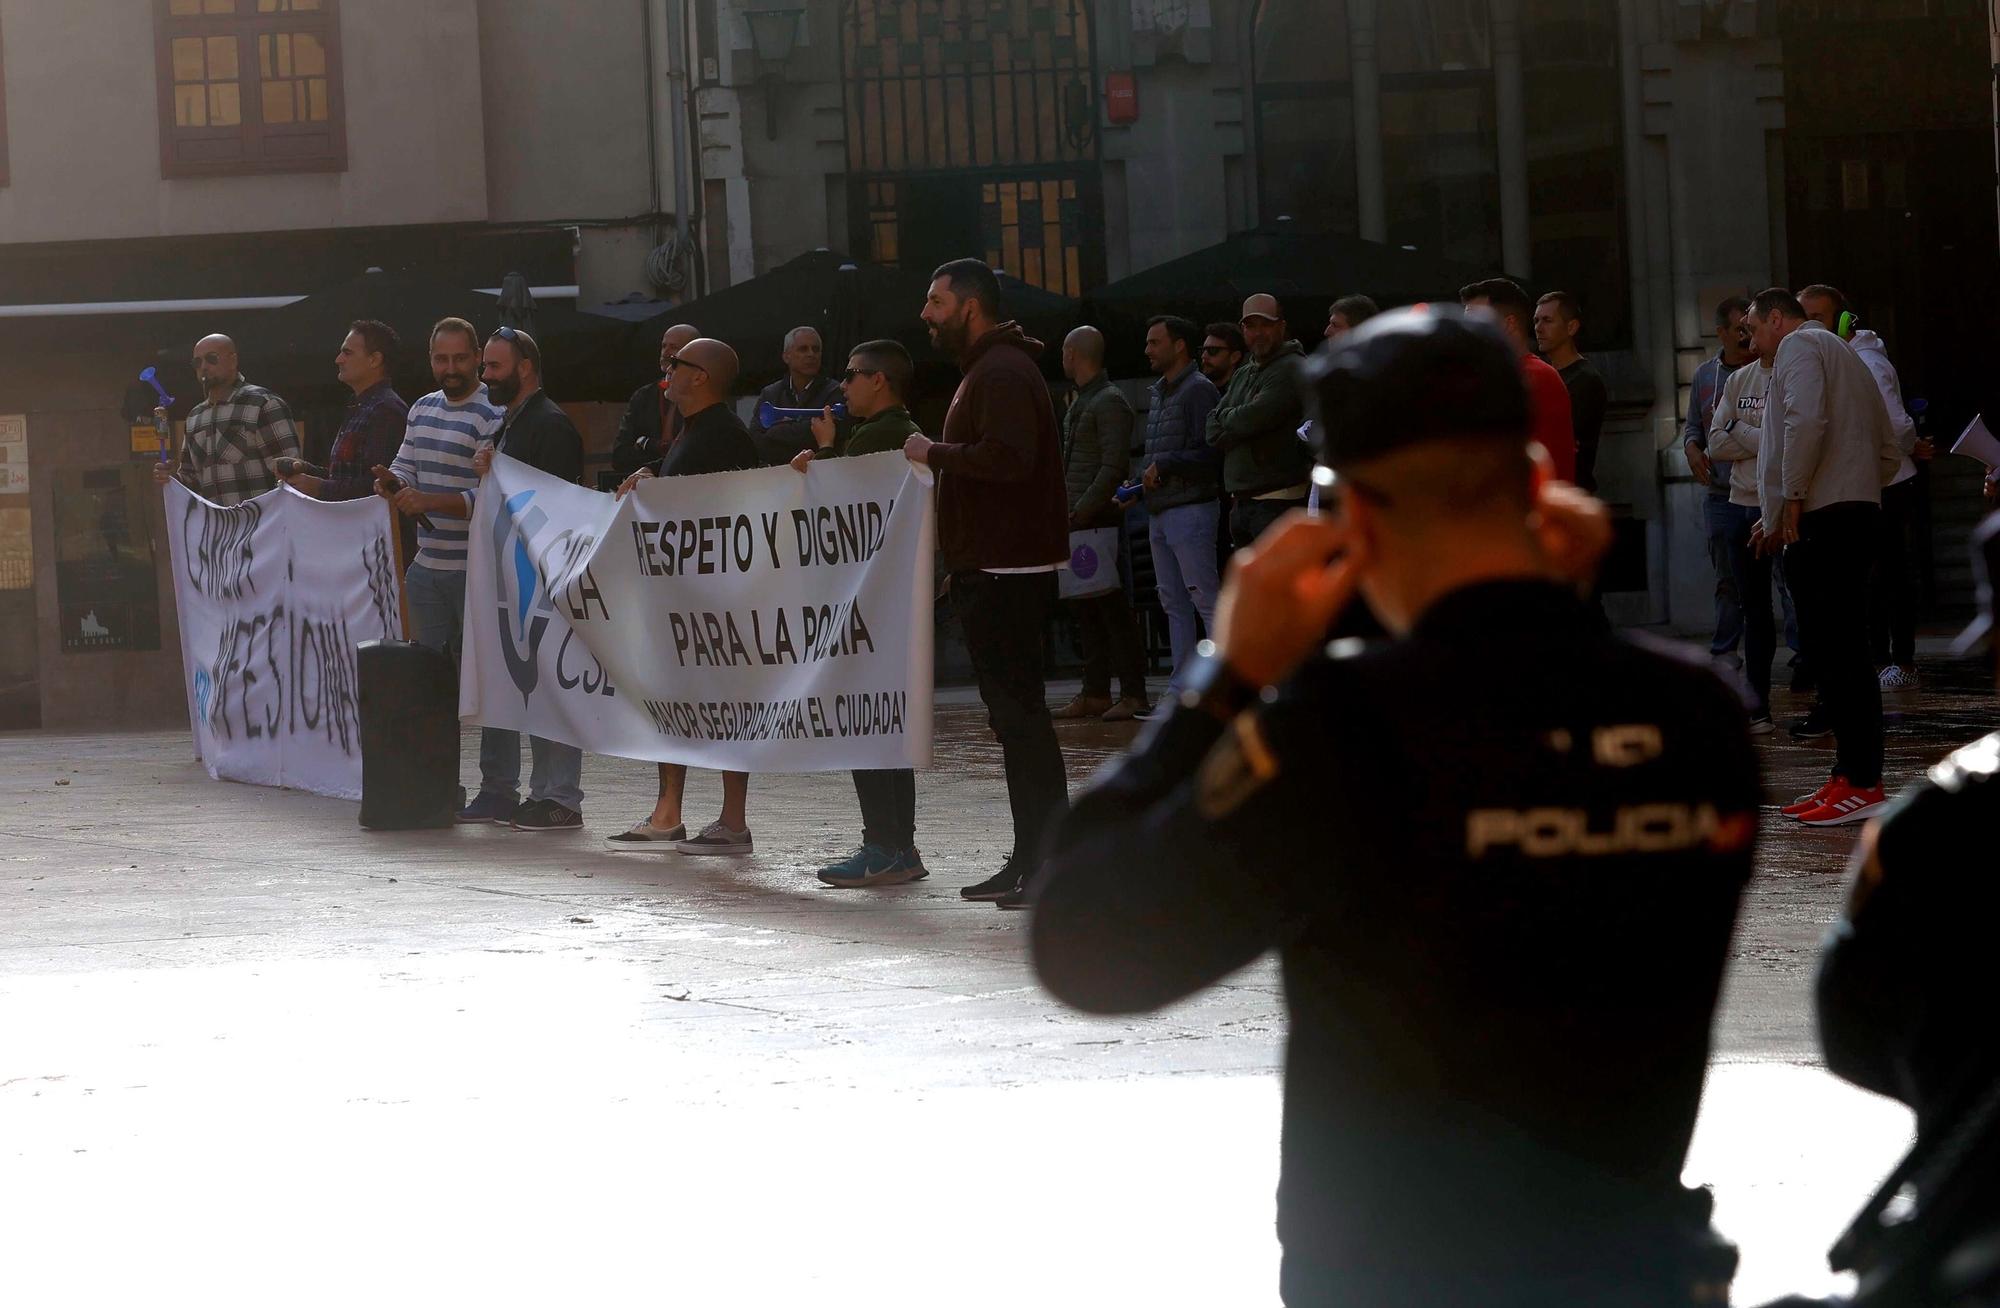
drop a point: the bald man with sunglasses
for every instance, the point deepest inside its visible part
(235, 436)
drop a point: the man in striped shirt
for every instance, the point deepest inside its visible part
(437, 481)
(234, 436)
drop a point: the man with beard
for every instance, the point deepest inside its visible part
(1003, 528)
(1265, 466)
(539, 434)
(433, 479)
(651, 421)
(1222, 352)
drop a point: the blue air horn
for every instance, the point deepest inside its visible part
(770, 415)
(161, 424)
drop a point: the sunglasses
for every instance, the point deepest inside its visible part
(676, 361)
(211, 359)
(1207, 350)
(852, 373)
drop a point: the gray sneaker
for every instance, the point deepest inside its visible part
(646, 838)
(718, 839)
(1894, 677)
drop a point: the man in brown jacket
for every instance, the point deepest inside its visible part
(1003, 528)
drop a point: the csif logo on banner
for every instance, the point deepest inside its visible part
(525, 606)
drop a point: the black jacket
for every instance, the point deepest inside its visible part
(777, 443)
(648, 427)
(1501, 861)
(541, 435)
(1906, 982)
(714, 440)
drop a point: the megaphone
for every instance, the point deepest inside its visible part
(161, 425)
(770, 415)
(152, 378)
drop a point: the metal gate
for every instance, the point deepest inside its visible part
(972, 129)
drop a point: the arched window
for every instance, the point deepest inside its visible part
(1440, 142)
(1305, 114)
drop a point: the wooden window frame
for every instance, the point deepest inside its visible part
(252, 130)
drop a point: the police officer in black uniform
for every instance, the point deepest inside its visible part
(1500, 856)
(1908, 1002)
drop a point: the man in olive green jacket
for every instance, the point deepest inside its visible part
(878, 376)
(1266, 467)
(1097, 458)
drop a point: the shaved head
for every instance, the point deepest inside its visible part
(1088, 342)
(215, 362)
(707, 369)
(679, 335)
(1083, 355)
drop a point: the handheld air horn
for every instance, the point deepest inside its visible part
(161, 424)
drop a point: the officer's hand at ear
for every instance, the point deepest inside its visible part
(1283, 593)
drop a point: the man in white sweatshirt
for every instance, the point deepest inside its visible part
(1892, 637)
(1733, 440)
(1826, 451)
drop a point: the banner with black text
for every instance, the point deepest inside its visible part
(273, 596)
(760, 621)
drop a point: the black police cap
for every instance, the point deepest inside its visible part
(1412, 375)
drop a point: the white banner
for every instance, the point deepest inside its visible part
(751, 621)
(274, 594)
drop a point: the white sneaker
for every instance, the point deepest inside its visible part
(646, 838)
(1897, 678)
(718, 839)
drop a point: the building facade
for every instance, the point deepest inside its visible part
(1649, 156)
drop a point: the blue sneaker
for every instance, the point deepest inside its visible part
(871, 865)
(489, 807)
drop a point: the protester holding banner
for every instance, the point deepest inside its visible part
(712, 439)
(1003, 528)
(371, 431)
(433, 479)
(878, 377)
(235, 435)
(538, 433)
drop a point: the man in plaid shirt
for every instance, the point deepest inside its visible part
(235, 436)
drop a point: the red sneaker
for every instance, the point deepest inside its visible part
(1807, 803)
(1844, 804)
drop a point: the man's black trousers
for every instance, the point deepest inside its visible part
(1111, 646)
(1829, 567)
(888, 807)
(1006, 619)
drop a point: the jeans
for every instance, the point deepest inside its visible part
(888, 807)
(1829, 568)
(1751, 574)
(1184, 568)
(1250, 518)
(557, 775)
(1892, 635)
(1718, 516)
(1006, 621)
(437, 608)
(1110, 639)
